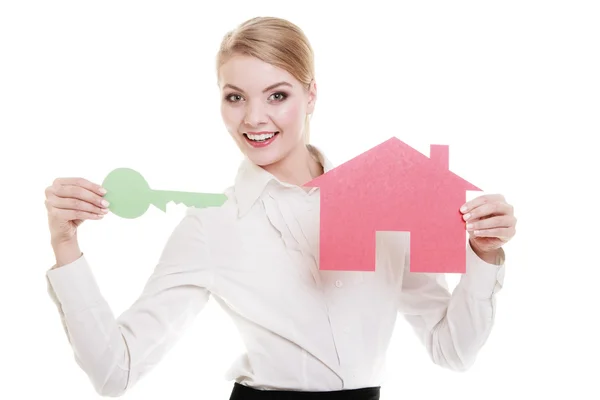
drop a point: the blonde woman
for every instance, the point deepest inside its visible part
(308, 333)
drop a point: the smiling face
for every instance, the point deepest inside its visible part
(264, 108)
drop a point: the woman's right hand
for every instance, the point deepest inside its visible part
(69, 202)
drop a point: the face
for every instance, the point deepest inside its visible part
(264, 108)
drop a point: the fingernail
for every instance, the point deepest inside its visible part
(467, 216)
(469, 226)
(463, 208)
(105, 210)
(105, 203)
(102, 190)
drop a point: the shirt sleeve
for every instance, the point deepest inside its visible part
(453, 327)
(116, 352)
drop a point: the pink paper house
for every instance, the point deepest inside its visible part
(393, 187)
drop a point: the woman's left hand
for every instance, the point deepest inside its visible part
(490, 222)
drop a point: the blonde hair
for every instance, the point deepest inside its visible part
(275, 41)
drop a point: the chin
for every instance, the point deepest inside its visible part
(264, 158)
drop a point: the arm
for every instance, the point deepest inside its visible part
(453, 327)
(116, 352)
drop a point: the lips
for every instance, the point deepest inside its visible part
(261, 139)
(260, 136)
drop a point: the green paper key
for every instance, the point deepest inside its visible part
(130, 196)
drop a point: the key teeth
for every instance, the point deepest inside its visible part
(163, 207)
(190, 203)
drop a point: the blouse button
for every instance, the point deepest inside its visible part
(339, 283)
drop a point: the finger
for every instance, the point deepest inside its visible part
(69, 203)
(480, 200)
(500, 221)
(72, 215)
(488, 209)
(80, 193)
(84, 183)
(500, 233)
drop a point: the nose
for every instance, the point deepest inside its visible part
(255, 114)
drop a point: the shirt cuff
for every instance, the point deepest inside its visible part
(75, 286)
(482, 278)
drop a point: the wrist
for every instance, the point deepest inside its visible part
(65, 252)
(495, 256)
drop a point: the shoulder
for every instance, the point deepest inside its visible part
(212, 220)
(215, 227)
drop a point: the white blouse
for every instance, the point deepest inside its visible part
(304, 329)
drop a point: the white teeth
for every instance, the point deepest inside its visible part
(262, 136)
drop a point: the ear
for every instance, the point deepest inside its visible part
(312, 97)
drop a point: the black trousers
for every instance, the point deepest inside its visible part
(241, 392)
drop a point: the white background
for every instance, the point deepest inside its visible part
(513, 87)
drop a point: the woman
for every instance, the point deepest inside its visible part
(308, 333)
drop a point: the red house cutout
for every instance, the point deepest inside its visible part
(393, 187)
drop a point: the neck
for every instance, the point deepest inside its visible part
(297, 168)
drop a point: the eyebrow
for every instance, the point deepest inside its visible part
(282, 83)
